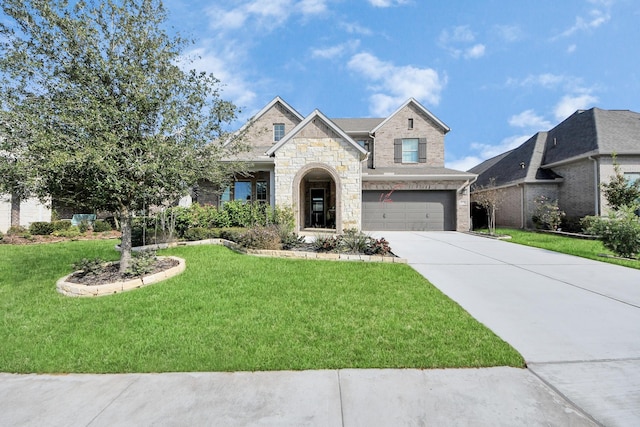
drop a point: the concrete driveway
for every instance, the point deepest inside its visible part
(575, 321)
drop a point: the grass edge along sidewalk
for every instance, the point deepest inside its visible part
(234, 312)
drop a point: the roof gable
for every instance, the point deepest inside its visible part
(420, 108)
(316, 114)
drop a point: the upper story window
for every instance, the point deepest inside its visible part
(410, 150)
(410, 124)
(278, 131)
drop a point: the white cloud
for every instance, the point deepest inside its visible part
(528, 119)
(224, 65)
(509, 33)
(335, 51)
(457, 41)
(595, 18)
(393, 85)
(474, 52)
(263, 14)
(483, 152)
(572, 48)
(569, 104)
(353, 28)
(387, 3)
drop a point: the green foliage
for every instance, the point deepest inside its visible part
(1, 235)
(619, 192)
(100, 226)
(201, 233)
(88, 266)
(233, 234)
(70, 232)
(41, 228)
(17, 230)
(354, 241)
(111, 118)
(619, 231)
(60, 225)
(83, 226)
(262, 237)
(547, 215)
(142, 262)
(326, 242)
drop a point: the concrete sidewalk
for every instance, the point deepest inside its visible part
(575, 321)
(456, 397)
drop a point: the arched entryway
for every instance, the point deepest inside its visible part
(318, 191)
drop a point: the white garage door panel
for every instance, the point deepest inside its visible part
(408, 210)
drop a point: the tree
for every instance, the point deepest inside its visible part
(118, 125)
(490, 198)
(619, 191)
(15, 176)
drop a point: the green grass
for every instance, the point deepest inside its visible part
(233, 312)
(592, 249)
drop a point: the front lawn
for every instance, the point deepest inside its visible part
(233, 312)
(592, 249)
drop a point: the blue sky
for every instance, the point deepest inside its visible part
(495, 71)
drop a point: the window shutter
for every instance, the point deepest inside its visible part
(422, 150)
(397, 150)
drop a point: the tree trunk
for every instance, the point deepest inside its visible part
(15, 210)
(125, 246)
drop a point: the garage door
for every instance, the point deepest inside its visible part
(408, 210)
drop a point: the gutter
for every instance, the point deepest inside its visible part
(596, 182)
(439, 177)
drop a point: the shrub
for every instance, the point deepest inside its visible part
(89, 266)
(326, 243)
(142, 263)
(232, 233)
(41, 228)
(290, 240)
(1, 235)
(354, 241)
(261, 237)
(547, 215)
(17, 230)
(71, 232)
(101, 226)
(378, 247)
(61, 225)
(619, 232)
(83, 226)
(571, 224)
(201, 233)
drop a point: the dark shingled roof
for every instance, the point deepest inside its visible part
(591, 132)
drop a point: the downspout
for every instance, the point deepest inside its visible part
(373, 148)
(596, 186)
(522, 220)
(468, 185)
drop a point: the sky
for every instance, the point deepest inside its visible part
(495, 71)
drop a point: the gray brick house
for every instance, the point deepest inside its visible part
(568, 163)
(363, 173)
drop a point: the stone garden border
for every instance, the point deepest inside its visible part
(278, 253)
(80, 290)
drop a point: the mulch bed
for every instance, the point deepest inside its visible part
(111, 273)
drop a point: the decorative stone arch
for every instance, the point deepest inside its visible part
(299, 197)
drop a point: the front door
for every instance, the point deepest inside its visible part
(317, 207)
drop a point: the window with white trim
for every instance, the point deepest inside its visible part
(410, 150)
(278, 131)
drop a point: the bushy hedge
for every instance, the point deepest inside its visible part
(41, 228)
(619, 232)
(100, 226)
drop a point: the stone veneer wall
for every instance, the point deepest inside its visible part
(463, 205)
(316, 148)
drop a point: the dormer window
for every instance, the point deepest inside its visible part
(278, 131)
(410, 124)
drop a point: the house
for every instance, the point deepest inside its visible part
(352, 173)
(567, 163)
(31, 210)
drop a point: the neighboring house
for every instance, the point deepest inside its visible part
(567, 163)
(31, 210)
(371, 174)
